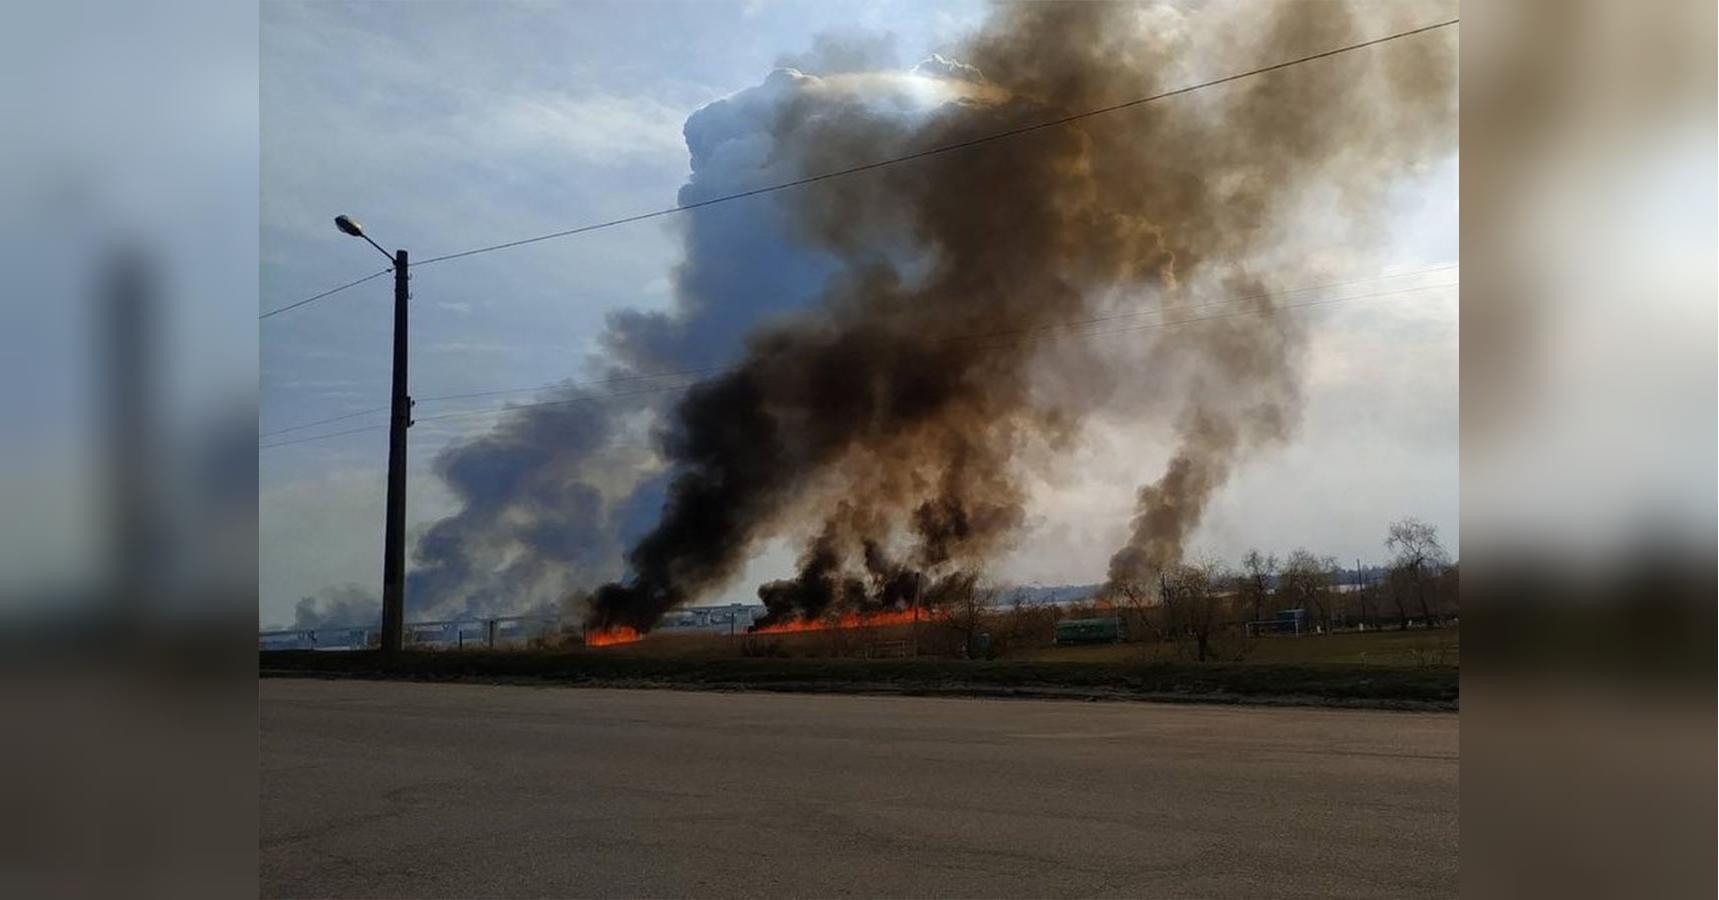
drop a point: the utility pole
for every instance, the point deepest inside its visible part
(130, 306)
(918, 587)
(1361, 593)
(400, 419)
(394, 545)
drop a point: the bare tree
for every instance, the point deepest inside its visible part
(1419, 556)
(1023, 622)
(1447, 592)
(1366, 597)
(962, 606)
(1198, 607)
(1140, 606)
(1254, 581)
(1306, 582)
(1400, 587)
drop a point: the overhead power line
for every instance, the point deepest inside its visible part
(542, 386)
(1028, 339)
(319, 437)
(922, 154)
(701, 371)
(331, 419)
(939, 150)
(618, 379)
(589, 398)
(988, 346)
(718, 369)
(328, 293)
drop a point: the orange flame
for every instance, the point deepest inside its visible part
(606, 637)
(852, 620)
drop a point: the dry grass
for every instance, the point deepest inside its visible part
(1415, 668)
(1029, 640)
(1416, 687)
(1439, 647)
(849, 643)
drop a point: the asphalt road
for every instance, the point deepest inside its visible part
(398, 789)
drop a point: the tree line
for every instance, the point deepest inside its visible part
(1216, 608)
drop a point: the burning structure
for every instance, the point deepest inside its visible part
(907, 373)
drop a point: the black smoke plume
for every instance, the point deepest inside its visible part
(895, 418)
(551, 497)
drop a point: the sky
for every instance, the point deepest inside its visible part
(447, 126)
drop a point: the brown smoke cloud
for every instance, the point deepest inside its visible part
(895, 421)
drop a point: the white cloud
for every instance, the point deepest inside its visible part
(316, 532)
(468, 347)
(318, 384)
(326, 529)
(596, 129)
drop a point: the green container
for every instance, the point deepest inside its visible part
(1106, 630)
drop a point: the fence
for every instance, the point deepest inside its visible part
(456, 633)
(889, 649)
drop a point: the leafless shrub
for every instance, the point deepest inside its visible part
(1198, 610)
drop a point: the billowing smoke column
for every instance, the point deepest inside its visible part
(337, 607)
(550, 498)
(531, 514)
(895, 334)
(892, 420)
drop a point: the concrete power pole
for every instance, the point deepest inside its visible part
(394, 546)
(1361, 594)
(400, 419)
(918, 588)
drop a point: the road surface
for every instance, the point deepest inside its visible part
(399, 789)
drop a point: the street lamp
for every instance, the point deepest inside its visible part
(394, 531)
(346, 224)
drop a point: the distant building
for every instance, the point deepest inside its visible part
(1286, 621)
(314, 639)
(734, 617)
(1104, 630)
(493, 632)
